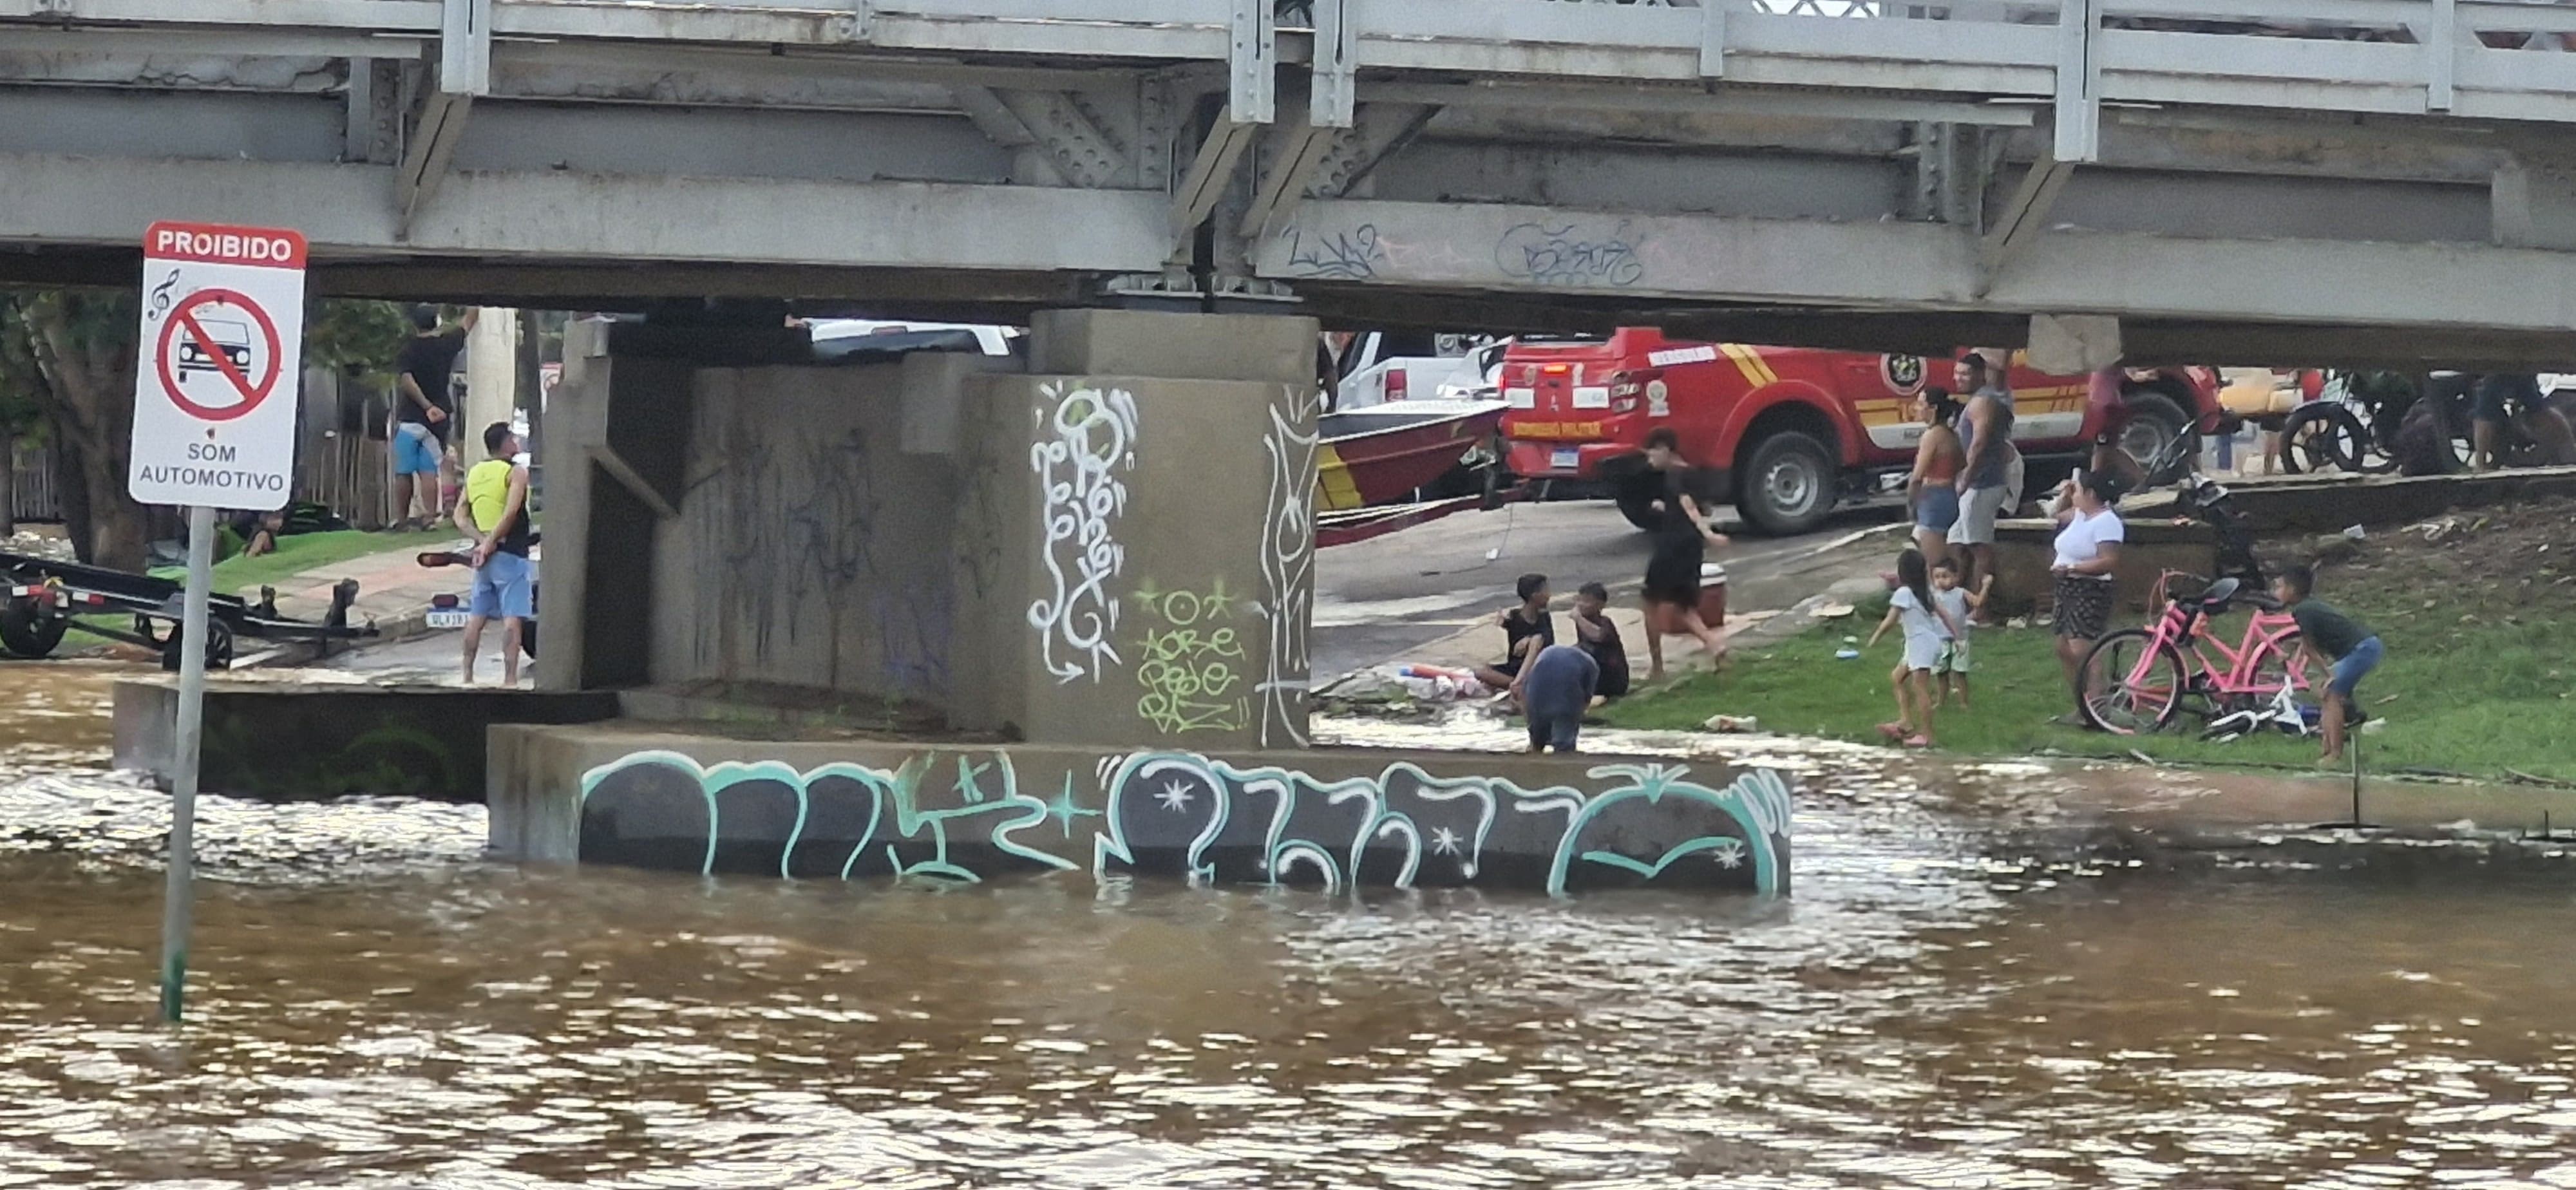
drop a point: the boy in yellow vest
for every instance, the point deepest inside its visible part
(494, 512)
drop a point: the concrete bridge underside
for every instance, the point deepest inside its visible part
(1513, 164)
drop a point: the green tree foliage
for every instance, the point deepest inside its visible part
(354, 333)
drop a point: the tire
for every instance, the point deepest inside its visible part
(1787, 484)
(2111, 701)
(2157, 421)
(2315, 437)
(2280, 668)
(2425, 444)
(1637, 496)
(219, 647)
(29, 628)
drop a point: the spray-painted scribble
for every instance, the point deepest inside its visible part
(1206, 820)
(1086, 438)
(1569, 254)
(1287, 557)
(1352, 255)
(967, 814)
(807, 591)
(840, 820)
(1190, 662)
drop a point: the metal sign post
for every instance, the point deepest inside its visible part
(214, 427)
(178, 899)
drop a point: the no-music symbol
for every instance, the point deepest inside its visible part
(218, 347)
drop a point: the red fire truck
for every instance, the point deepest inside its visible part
(1789, 432)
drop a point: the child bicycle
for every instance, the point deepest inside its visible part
(2135, 680)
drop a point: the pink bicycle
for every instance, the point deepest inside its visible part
(2135, 680)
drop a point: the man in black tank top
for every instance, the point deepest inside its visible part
(1681, 544)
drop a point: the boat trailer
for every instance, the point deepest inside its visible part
(44, 595)
(1360, 524)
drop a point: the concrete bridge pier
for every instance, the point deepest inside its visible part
(957, 616)
(1112, 545)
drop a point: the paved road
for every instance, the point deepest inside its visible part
(1376, 599)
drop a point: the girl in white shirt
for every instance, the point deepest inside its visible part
(1928, 627)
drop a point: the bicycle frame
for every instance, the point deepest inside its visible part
(2184, 628)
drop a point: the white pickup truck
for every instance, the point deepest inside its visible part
(1381, 366)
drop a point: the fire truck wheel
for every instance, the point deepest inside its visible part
(2155, 421)
(29, 629)
(1787, 485)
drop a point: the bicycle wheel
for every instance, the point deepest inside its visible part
(2278, 664)
(2318, 436)
(2131, 683)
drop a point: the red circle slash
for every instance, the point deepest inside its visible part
(184, 314)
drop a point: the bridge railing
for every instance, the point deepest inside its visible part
(2469, 58)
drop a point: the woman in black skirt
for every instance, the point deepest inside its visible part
(1682, 542)
(2089, 536)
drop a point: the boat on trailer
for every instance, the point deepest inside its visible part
(1385, 453)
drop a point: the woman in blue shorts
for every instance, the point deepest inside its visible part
(1931, 491)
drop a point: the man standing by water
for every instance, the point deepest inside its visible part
(422, 415)
(1990, 481)
(495, 512)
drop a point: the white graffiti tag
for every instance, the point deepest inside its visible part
(1085, 439)
(1287, 558)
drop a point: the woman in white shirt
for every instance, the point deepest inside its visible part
(2088, 550)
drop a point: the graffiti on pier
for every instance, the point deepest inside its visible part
(662, 809)
(1206, 820)
(789, 566)
(965, 815)
(1569, 255)
(1352, 255)
(1189, 662)
(1287, 557)
(1086, 440)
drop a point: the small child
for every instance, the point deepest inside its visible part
(2352, 650)
(1927, 629)
(1950, 671)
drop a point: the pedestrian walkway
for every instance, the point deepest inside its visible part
(394, 589)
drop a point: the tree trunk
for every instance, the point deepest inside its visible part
(8, 481)
(83, 343)
(73, 491)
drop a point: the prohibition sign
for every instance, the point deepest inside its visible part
(183, 315)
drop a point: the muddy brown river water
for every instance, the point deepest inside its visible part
(1940, 1005)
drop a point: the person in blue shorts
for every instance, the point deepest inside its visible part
(2352, 650)
(494, 512)
(423, 414)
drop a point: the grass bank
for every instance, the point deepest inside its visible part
(2478, 614)
(301, 552)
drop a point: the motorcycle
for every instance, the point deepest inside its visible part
(2387, 421)
(448, 611)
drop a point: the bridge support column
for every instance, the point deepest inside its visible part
(2534, 201)
(1114, 547)
(1134, 557)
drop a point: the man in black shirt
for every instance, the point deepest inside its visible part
(422, 413)
(1526, 630)
(1681, 546)
(1597, 636)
